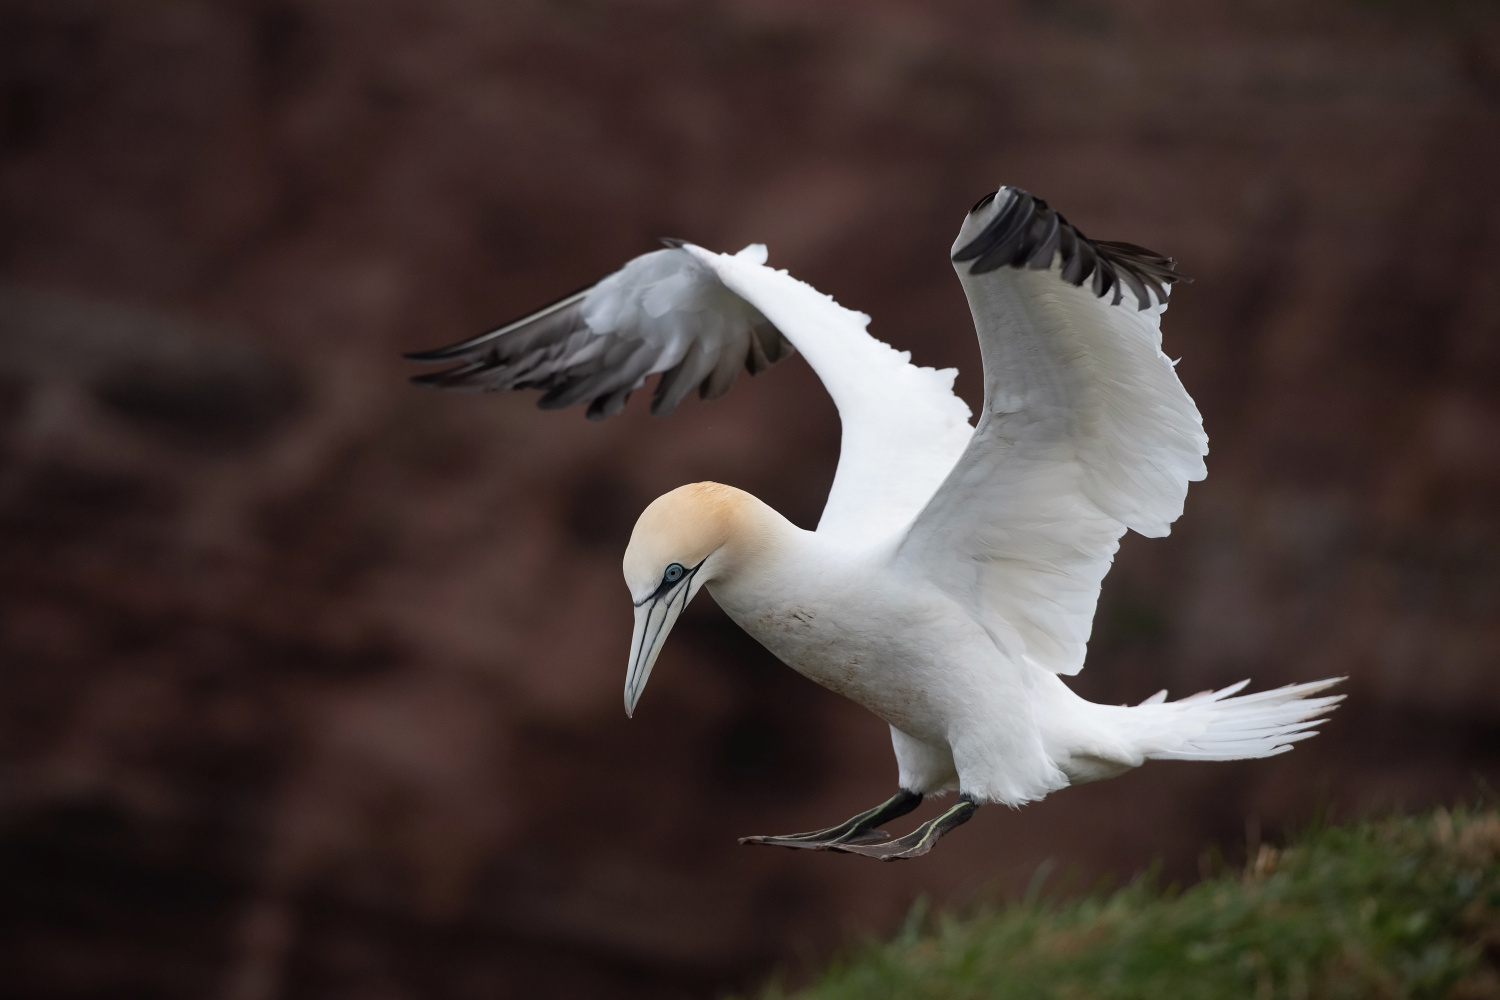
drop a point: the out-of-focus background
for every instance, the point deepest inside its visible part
(310, 681)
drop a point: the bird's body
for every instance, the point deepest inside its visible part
(952, 579)
(961, 711)
(846, 619)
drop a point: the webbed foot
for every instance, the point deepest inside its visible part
(920, 840)
(859, 829)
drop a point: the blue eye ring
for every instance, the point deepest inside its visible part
(674, 572)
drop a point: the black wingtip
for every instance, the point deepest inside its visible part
(432, 356)
(467, 350)
(1027, 232)
(430, 380)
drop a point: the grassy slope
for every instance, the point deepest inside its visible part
(1397, 908)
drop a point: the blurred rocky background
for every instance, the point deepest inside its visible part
(310, 681)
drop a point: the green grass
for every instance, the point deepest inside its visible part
(1402, 907)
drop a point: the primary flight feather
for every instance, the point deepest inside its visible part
(955, 570)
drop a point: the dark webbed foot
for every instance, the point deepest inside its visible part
(920, 840)
(855, 830)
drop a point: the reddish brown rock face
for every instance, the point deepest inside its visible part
(310, 681)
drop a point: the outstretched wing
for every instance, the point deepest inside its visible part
(1086, 430)
(697, 317)
(663, 312)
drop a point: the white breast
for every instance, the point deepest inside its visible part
(897, 646)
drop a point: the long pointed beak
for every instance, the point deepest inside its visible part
(653, 620)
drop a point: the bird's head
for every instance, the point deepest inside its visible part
(680, 542)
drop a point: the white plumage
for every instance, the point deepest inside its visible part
(954, 573)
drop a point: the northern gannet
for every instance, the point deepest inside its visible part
(951, 582)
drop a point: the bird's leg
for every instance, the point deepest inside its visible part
(855, 830)
(920, 840)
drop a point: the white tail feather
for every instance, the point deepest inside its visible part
(1217, 725)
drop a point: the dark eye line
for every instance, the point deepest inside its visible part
(667, 583)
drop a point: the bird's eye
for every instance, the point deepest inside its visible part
(673, 574)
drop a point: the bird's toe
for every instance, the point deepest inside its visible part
(805, 843)
(895, 850)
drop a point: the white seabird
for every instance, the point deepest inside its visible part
(952, 579)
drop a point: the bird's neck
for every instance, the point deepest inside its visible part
(756, 540)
